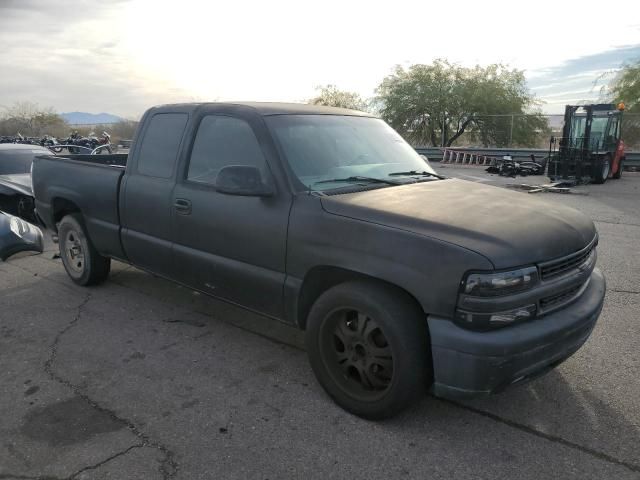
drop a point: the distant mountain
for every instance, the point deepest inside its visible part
(77, 118)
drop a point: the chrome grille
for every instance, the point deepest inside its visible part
(559, 298)
(563, 265)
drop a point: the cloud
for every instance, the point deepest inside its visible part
(121, 56)
(66, 54)
(579, 79)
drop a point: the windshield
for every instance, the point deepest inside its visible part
(577, 129)
(320, 148)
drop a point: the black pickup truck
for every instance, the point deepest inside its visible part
(327, 219)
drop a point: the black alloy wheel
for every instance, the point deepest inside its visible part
(368, 344)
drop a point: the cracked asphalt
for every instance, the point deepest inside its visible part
(142, 379)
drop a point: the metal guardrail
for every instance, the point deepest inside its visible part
(435, 153)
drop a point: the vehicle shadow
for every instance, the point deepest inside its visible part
(558, 407)
(564, 406)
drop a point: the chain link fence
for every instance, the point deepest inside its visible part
(532, 131)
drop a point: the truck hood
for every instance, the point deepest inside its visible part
(508, 228)
(19, 182)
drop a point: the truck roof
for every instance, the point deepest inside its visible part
(274, 108)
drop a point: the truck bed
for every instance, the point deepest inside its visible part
(89, 184)
(113, 159)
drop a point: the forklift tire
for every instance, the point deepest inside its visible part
(618, 174)
(602, 169)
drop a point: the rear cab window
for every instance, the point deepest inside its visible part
(160, 144)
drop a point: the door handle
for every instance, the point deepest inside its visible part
(182, 206)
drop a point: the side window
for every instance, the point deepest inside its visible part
(160, 144)
(222, 141)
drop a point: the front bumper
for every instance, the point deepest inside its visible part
(469, 364)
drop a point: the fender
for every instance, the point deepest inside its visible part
(16, 184)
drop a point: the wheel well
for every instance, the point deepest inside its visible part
(320, 279)
(63, 207)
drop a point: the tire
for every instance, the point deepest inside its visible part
(602, 169)
(84, 265)
(368, 345)
(618, 174)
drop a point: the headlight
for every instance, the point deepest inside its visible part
(488, 321)
(502, 283)
(18, 226)
(476, 309)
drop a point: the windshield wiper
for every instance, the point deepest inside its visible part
(358, 178)
(416, 172)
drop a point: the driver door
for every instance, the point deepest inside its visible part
(230, 246)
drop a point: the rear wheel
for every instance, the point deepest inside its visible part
(618, 174)
(369, 348)
(602, 168)
(81, 260)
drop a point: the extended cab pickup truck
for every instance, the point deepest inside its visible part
(327, 219)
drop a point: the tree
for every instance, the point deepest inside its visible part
(123, 130)
(439, 102)
(625, 87)
(331, 96)
(31, 120)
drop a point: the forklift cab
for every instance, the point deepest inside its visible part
(590, 149)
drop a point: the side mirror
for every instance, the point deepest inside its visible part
(243, 180)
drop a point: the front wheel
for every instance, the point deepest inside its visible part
(368, 345)
(602, 169)
(84, 265)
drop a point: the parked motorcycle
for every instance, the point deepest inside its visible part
(75, 139)
(508, 167)
(105, 141)
(51, 143)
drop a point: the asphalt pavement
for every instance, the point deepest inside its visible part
(143, 379)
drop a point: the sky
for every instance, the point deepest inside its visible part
(123, 56)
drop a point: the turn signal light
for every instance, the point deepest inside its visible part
(488, 321)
